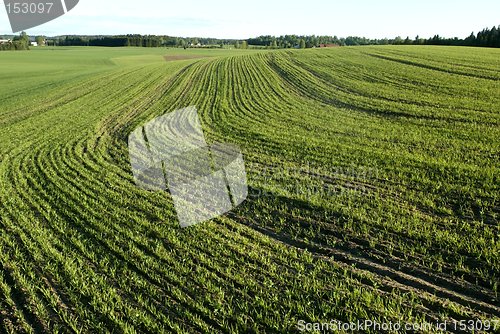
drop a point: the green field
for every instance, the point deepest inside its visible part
(374, 178)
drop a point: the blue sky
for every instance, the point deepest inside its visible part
(243, 19)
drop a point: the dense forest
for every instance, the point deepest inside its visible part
(485, 38)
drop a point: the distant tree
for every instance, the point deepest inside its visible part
(398, 40)
(418, 40)
(351, 41)
(384, 41)
(40, 41)
(23, 38)
(493, 37)
(489, 37)
(436, 40)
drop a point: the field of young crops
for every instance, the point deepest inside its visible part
(374, 178)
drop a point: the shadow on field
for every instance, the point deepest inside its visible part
(294, 220)
(327, 235)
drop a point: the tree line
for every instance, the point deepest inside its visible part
(485, 38)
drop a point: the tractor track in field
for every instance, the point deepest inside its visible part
(394, 272)
(375, 188)
(391, 269)
(431, 67)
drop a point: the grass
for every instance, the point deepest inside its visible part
(373, 175)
